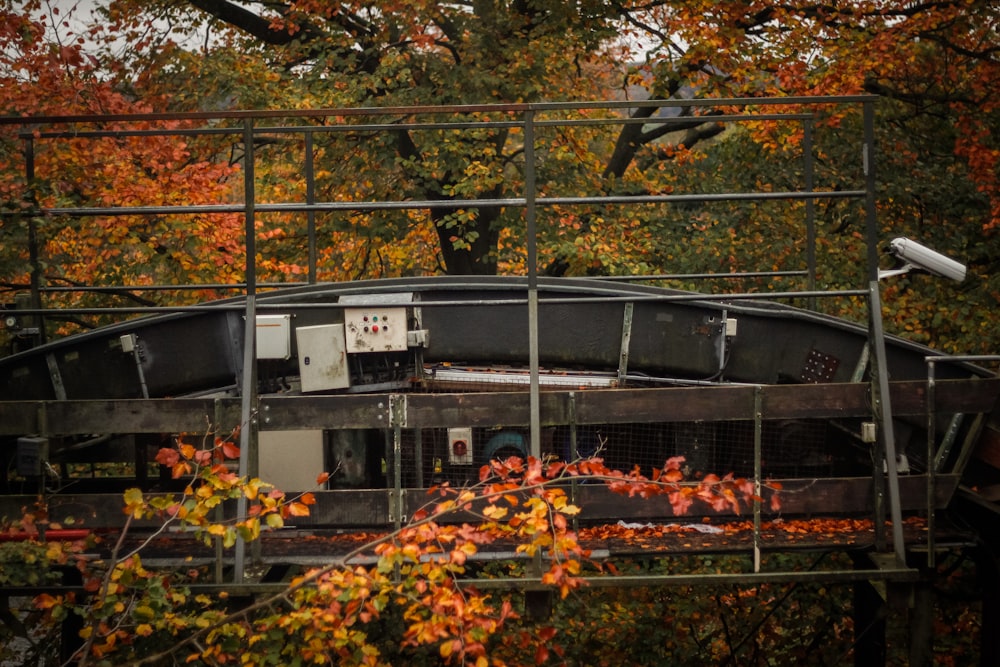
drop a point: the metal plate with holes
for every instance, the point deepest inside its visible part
(819, 367)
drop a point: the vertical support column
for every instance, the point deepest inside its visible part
(988, 575)
(869, 620)
(758, 428)
(626, 340)
(33, 259)
(418, 456)
(922, 624)
(248, 464)
(807, 149)
(883, 418)
(310, 200)
(218, 550)
(931, 467)
(397, 420)
(880, 375)
(535, 428)
(573, 453)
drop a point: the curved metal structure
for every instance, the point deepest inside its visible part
(444, 339)
(673, 338)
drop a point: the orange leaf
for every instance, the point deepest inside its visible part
(298, 509)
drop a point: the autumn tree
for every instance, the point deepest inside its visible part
(932, 63)
(45, 70)
(419, 588)
(932, 57)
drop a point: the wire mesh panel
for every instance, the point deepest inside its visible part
(454, 450)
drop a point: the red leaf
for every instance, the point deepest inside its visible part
(167, 456)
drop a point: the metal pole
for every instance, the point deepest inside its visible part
(529, 214)
(758, 444)
(248, 430)
(931, 472)
(311, 199)
(36, 269)
(880, 383)
(807, 147)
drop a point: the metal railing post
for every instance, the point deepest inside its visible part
(310, 200)
(248, 463)
(33, 259)
(758, 447)
(535, 428)
(809, 167)
(882, 404)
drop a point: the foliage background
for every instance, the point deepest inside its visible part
(934, 64)
(931, 63)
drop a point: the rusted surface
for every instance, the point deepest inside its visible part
(623, 539)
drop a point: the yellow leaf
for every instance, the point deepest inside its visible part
(494, 513)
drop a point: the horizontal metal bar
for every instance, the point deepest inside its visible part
(164, 288)
(381, 127)
(820, 577)
(242, 286)
(674, 120)
(721, 402)
(644, 298)
(959, 358)
(446, 109)
(270, 130)
(714, 579)
(515, 202)
(698, 276)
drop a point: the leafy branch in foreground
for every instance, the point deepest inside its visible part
(419, 577)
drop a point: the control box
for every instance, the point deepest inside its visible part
(460, 446)
(375, 329)
(274, 336)
(322, 357)
(32, 453)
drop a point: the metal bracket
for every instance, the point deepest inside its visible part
(626, 338)
(397, 410)
(57, 382)
(397, 505)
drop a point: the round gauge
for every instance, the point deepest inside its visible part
(10, 321)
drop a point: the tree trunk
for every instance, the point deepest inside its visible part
(476, 257)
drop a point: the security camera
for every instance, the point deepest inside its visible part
(917, 256)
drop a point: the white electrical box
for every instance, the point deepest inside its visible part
(322, 357)
(274, 336)
(869, 433)
(460, 446)
(731, 326)
(376, 329)
(128, 342)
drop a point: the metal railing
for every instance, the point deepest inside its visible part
(526, 119)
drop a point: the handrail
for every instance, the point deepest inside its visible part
(526, 118)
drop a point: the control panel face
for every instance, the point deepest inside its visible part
(322, 358)
(375, 329)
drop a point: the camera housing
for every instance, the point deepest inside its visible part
(918, 256)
